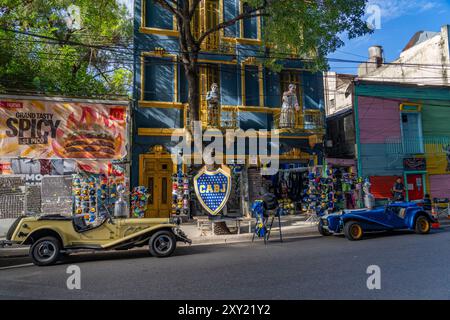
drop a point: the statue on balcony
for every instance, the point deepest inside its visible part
(213, 99)
(289, 107)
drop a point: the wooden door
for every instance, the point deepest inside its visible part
(415, 186)
(158, 179)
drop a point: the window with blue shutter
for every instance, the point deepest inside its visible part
(158, 79)
(250, 24)
(251, 86)
(156, 16)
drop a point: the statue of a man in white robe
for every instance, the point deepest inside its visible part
(213, 99)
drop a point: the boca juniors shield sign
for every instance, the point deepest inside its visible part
(213, 188)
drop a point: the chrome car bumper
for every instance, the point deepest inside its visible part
(5, 243)
(181, 236)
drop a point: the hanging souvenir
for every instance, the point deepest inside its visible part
(139, 199)
(180, 193)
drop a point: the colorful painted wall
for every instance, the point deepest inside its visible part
(436, 130)
(379, 120)
(380, 141)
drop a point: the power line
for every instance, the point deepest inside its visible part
(100, 47)
(128, 53)
(56, 56)
(237, 72)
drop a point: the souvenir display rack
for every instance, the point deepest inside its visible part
(320, 194)
(94, 194)
(139, 200)
(180, 194)
(332, 191)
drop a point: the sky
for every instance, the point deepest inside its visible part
(400, 20)
(128, 3)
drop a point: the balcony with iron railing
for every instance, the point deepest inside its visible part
(206, 16)
(401, 146)
(227, 118)
(312, 120)
(416, 146)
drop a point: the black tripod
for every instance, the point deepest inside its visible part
(269, 230)
(268, 226)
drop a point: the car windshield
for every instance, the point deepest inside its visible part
(399, 211)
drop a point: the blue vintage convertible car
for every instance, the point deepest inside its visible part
(394, 216)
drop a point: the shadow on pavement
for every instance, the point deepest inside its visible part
(395, 233)
(82, 257)
(132, 254)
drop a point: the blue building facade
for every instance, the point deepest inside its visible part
(250, 93)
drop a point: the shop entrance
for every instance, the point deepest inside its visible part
(415, 185)
(156, 174)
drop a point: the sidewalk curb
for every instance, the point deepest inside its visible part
(248, 238)
(217, 240)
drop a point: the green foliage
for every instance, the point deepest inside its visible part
(56, 62)
(311, 29)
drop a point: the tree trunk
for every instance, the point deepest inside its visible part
(192, 77)
(189, 56)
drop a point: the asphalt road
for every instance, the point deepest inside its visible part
(412, 267)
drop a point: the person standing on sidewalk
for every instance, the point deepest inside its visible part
(398, 190)
(427, 205)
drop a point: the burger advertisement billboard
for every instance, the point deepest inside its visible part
(62, 130)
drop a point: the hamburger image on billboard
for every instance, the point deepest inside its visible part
(89, 142)
(91, 134)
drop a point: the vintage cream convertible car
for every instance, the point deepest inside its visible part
(53, 235)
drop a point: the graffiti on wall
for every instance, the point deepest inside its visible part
(446, 150)
(438, 158)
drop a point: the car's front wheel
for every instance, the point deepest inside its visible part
(162, 244)
(353, 231)
(322, 230)
(45, 251)
(423, 225)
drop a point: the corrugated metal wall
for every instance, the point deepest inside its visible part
(440, 186)
(379, 120)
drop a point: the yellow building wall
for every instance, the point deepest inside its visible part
(436, 161)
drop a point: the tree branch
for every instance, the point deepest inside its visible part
(193, 8)
(191, 47)
(223, 25)
(102, 73)
(166, 4)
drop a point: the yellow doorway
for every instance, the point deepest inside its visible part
(156, 169)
